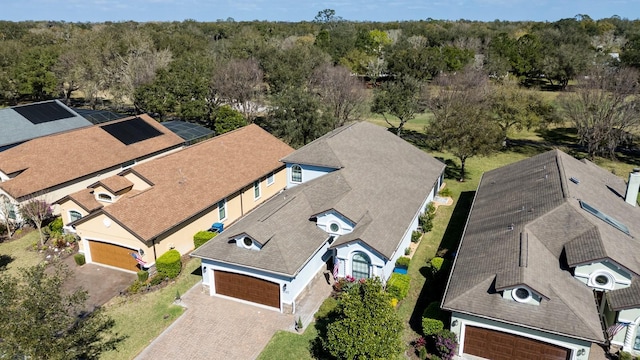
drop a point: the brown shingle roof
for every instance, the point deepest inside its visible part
(533, 198)
(54, 160)
(86, 199)
(196, 178)
(115, 183)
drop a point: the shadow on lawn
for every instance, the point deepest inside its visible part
(4, 261)
(435, 283)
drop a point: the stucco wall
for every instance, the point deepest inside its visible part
(463, 320)
(622, 278)
(66, 207)
(326, 219)
(309, 172)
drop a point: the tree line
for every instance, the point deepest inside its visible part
(301, 79)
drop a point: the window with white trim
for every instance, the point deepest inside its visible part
(105, 197)
(296, 174)
(74, 215)
(521, 294)
(222, 209)
(270, 179)
(360, 265)
(601, 279)
(256, 189)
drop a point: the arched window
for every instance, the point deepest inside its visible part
(74, 215)
(360, 265)
(296, 174)
(105, 197)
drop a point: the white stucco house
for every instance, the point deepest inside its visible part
(549, 262)
(352, 200)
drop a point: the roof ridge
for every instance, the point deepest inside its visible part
(560, 294)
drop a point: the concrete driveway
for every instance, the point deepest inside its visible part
(217, 328)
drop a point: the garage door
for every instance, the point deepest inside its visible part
(497, 345)
(113, 255)
(247, 288)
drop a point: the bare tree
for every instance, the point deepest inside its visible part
(37, 211)
(462, 123)
(604, 108)
(7, 214)
(343, 93)
(240, 84)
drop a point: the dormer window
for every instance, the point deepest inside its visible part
(296, 174)
(247, 242)
(334, 227)
(74, 215)
(105, 197)
(521, 294)
(601, 280)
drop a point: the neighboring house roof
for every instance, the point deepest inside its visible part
(526, 226)
(46, 162)
(190, 132)
(380, 186)
(26, 122)
(194, 179)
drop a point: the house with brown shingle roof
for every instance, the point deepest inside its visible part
(549, 262)
(54, 166)
(153, 207)
(353, 199)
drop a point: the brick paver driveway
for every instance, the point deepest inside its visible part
(216, 328)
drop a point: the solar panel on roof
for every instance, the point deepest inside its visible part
(131, 131)
(189, 132)
(98, 116)
(43, 112)
(604, 217)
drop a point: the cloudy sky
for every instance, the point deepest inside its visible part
(305, 10)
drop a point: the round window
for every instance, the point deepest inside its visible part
(601, 280)
(247, 242)
(521, 294)
(334, 227)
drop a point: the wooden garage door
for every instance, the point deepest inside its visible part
(112, 255)
(497, 345)
(247, 288)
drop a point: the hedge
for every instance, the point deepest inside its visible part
(202, 237)
(143, 275)
(403, 262)
(436, 263)
(431, 326)
(433, 312)
(169, 264)
(398, 285)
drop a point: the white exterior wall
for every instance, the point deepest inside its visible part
(304, 277)
(309, 172)
(585, 274)
(535, 299)
(378, 266)
(330, 217)
(629, 336)
(463, 320)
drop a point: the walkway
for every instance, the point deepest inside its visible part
(217, 328)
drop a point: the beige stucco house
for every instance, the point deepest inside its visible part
(153, 207)
(51, 167)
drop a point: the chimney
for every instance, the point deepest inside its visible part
(632, 187)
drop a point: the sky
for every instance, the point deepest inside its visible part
(306, 10)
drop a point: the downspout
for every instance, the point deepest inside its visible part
(155, 257)
(241, 206)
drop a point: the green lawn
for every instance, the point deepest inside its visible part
(18, 254)
(143, 317)
(287, 345)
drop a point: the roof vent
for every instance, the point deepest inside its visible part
(574, 180)
(633, 185)
(510, 227)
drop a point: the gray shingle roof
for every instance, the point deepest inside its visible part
(16, 128)
(380, 185)
(523, 217)
(625, 298)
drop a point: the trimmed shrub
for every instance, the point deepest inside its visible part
(169, 264)
(426, 220)
(79, 258)
(403, 262)
(398, 285)
(328, 306)
(446, 192)
(202, 237)
(431, 326)
(407, 251)
(56, 225)
(436, 263)
(625, 356)
(143, 276)
(433, 312)
(415, 236)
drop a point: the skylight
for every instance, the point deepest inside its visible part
(604, 217)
